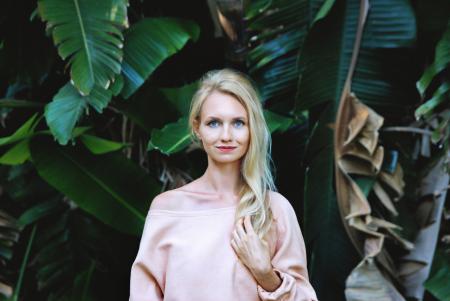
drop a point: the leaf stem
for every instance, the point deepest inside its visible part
(407, 129)
(24, 264)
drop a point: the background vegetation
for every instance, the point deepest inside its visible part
(93, 106)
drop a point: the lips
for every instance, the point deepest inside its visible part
(226, 148)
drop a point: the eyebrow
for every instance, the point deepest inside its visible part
(235, 118)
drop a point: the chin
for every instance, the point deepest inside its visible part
(230, 159)
(227, 159)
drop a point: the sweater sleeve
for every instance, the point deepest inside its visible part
(145, 271)
(289, 261)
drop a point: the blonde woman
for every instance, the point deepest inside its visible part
(226, 236)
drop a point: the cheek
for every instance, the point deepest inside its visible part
(209, 136)
(243, 136)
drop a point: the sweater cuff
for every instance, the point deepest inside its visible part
(285, 289)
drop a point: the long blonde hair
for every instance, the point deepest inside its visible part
(255, 167)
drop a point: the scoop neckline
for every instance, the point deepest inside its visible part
(212, 211)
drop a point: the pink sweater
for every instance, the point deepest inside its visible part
(187, 256)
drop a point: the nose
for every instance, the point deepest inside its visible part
(226, 133)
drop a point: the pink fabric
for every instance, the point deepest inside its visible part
(187, 255)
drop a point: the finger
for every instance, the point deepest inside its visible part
(248, 225)
(233, 245)
(236, 237)
(236, 249)
(240, 229)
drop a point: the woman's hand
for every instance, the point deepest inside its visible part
(251, 250)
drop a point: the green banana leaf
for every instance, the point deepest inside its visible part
(25, 131)
(277, 122)
(324, 63)
(18, 154)
(323, 227)
(440, 95)
(181, 97)
(23, 266)
(141, 108)
(148, 43)
(67, 106)
(89, 35)
(325, 72)
(256, 8)
(172, 138)
(81, 288)
(441, 61)
(437, 283)
(66, 248)
(278, 29)
(99, 145)
(38, 211)
(109, 187)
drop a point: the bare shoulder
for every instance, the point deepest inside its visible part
(174, 199)
(167, 200)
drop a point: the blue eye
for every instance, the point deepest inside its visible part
(239, 123)
(213, 123)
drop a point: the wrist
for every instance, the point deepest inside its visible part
(268, 280)
(262, 272)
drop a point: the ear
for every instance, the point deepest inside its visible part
(196, 125)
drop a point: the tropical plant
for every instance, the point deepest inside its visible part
(354, 55)
(338, 82)
(96, 187)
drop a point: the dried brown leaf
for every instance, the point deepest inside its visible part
(384, 198)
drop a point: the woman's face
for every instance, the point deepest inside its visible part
(223, 128)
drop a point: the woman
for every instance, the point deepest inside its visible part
(227, 235)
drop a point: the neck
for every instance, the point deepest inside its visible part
(223, 179)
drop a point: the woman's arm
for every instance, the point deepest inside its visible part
(147, 266)
(284, 276)
(143, 286)
(289, 261)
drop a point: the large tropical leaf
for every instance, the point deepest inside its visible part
(181, 97)
(23, 266)
(99, 145)
(325, 71)
(434, 111)
(277, 122)
(323, 226)
(324, 63)
(23, 132)
(437, 284)
(89, 35)
(278, 29)
(114, 189)
(171, 138)
(441, 61)
(67, 106)
(67, 243)
(141, 108)
(148, 43)
(19, 153)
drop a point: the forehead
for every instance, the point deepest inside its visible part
(222, 105)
